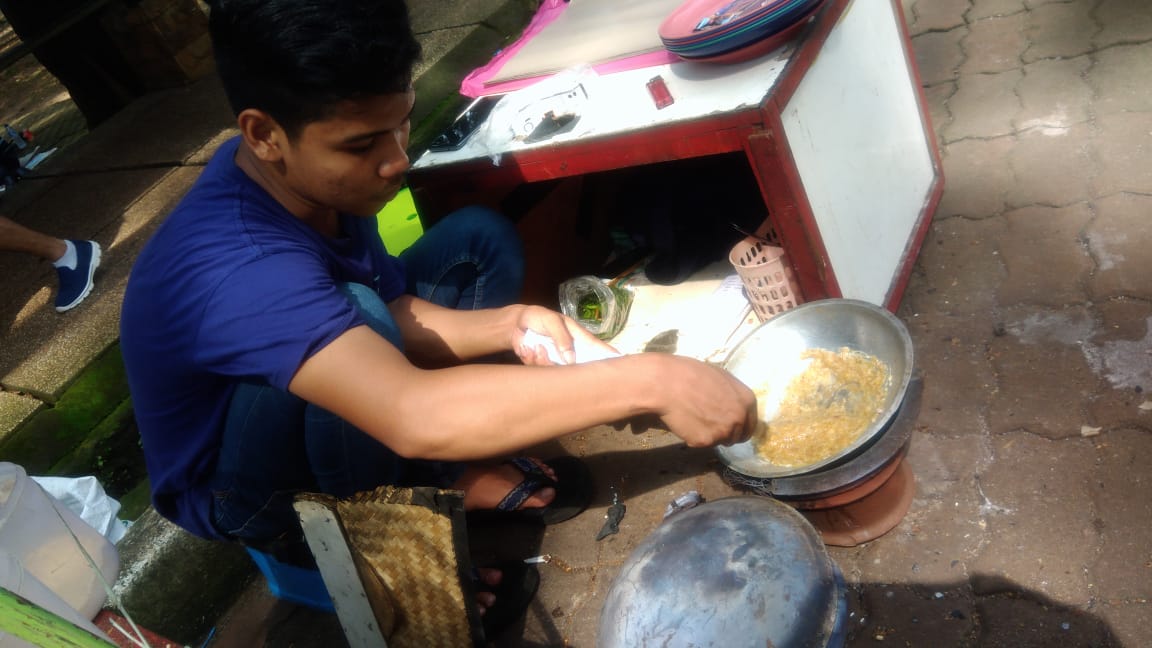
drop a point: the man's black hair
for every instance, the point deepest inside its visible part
(297, 59)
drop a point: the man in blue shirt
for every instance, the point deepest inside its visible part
(273, 345)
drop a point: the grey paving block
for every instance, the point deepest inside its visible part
(1119, 355)
(1119, 78)
(200, 156)
(428, 17)
(1123, 507)
(1051, 402)
(959, 269)
(925, 16)
(977, 177)
(1060, 30)
(994, 44)
(953, 352)
(1052, 167)
(1054, 95)
(1122, 21)
(945, 464)
(66, 343)
(30, 283)
(992, 8)
(1117, 241)
(936, 99)
(942, 531)
(438, 44)
(938, 55)
(1058, 276)
(1123, 153)
(140, 218)
(984, 105)
(1038, 487)
(92, 205)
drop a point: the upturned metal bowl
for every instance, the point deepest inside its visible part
(771, 355)
(734, 572)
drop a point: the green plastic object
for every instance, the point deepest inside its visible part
(23, 619)
(600, 306)
(399, 223)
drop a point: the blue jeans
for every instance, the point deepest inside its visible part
(276, 445)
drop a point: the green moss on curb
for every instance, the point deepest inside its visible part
(57, 431)
(89, 431)
(111, 452)
(136, 501)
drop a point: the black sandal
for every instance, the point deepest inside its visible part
(573, 485)
(517, 588)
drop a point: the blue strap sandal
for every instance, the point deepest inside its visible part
(573, 485)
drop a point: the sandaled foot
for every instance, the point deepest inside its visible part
(504, 593)
(488, 486)
(548, 492)
(487, 579)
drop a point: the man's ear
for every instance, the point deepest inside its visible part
(262, 134)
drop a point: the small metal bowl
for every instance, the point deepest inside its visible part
(771, 354)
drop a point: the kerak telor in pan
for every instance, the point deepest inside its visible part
(773, 354)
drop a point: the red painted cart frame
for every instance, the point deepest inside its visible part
(757, 131)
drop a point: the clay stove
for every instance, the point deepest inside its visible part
(861, 497)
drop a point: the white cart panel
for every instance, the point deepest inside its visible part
(855, 131)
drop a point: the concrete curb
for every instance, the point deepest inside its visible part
(174, 583)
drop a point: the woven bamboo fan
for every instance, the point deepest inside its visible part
(410, 552)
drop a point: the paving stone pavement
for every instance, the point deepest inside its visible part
(1030, 308)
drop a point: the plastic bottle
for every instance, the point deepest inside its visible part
(15, 137)
(598, 306)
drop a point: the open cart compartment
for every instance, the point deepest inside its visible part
(832, 127)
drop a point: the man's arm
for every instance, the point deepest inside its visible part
(478, 411)
(438, 337)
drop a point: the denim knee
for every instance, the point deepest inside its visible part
(374, 311)
(471, 259)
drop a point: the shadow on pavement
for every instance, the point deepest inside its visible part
(985, 612)
(879, 614)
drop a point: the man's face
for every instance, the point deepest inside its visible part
(354, 161)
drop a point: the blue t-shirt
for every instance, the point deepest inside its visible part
(232, 287)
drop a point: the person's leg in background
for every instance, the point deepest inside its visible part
(75, 260)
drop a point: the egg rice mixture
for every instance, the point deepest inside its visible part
(824, 409)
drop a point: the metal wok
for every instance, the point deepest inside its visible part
(771, 354)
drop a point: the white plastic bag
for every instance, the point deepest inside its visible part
(538, 111)
(85, 497)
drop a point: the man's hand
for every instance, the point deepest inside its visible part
(539, 328)
(702, 404)
(499, 409)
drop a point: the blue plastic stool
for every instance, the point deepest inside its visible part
(292, 583)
